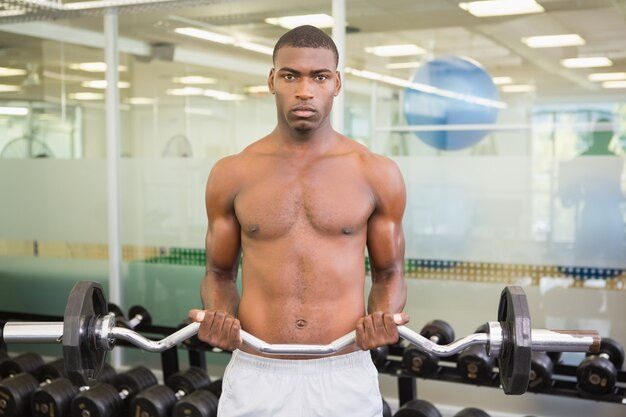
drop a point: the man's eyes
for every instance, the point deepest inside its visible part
(318, 77)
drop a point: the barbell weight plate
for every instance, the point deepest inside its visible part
(83, 359)
(516, 355)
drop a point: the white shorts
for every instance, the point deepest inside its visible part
(343, 385)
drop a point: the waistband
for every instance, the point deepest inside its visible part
(352, 360)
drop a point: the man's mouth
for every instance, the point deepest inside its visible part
(303, 111)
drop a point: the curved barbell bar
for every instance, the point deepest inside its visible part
(542, 340)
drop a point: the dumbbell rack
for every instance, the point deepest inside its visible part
(564, 379)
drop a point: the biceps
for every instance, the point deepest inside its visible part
(385, 243)
(223, 243)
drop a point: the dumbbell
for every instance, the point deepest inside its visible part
(55, 398)
(158, 401)
(106, 400)
(379, 356)
(471, 412)
(474, 364)
(138, 316)
(597, 373)
(16, 391)
(216, 387)
(386, 409)
(420, 362)
(27, 363)
(417, 408)
(200, 403)
(541, 370)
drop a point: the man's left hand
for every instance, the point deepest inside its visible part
(379, 329)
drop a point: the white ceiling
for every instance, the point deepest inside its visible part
(440, 26)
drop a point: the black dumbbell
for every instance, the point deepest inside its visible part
(386, 409)
(139, 317)
(200, 403)
(158, 401)
(418, 408)
(541, 371)
(16, 391)
(106, 400)
(471, 412)
(120, 319)
(597, 373)
(379, 356)
(474, 364)
(25, 363)
(423, 363)
(216, 387)
(55, 398)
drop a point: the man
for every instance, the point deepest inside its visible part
(302, 204)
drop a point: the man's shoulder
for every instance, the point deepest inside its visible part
(368, 158)
(243, 157)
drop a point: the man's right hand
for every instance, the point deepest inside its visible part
(218, 328)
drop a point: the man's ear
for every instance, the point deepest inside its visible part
(337, 84)
(270, 81)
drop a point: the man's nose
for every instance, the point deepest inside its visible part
(304, 92)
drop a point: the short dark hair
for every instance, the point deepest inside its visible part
(306, 36)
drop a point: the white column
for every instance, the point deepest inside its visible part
(339, 36)
(113, 155)
(113, 162)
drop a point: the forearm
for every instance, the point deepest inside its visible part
(219, 292)
(388, 292)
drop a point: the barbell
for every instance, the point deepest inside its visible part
(88, 332)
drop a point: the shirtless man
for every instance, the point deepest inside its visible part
(302, 204)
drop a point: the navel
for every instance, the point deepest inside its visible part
(301, 323)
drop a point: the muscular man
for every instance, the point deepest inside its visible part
(301, 205)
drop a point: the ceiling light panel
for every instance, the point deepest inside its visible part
(502, 80)
(614, 84)
(5, 88)
(94, 66)
(587, 62)
(290, 22)
(205, 35)
(14, 111)
(501, 7)
(255, 47)
(607, 76)
(403, 65)
(11, 72)
(86, 96)
(102, 84)
(553, 41)
(395, 50)
(194, 79)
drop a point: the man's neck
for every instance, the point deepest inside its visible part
(311, 142)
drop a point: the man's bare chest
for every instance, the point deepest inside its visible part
(279, 202)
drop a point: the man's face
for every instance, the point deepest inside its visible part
(305, 82)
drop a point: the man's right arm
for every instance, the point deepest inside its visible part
(219, 326)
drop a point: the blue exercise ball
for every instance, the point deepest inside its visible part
(460, 76)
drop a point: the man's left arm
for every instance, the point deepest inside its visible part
(385, 244)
